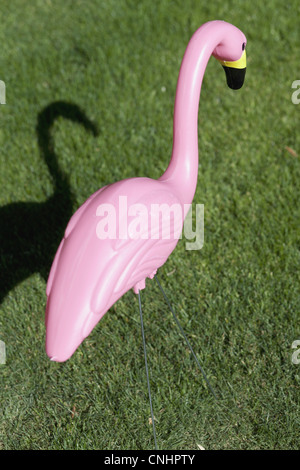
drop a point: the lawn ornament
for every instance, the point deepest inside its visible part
(99, 260)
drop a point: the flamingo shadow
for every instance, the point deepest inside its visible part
(30, 232)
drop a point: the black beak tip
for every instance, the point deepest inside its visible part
(235, 77)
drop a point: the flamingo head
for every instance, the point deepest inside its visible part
(231, 53)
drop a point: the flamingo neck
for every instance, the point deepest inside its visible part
(183, 168)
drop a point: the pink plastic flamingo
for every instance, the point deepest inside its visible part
(89, 273)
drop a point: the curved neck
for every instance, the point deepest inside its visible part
(183, 167)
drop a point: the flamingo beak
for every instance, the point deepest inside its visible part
(235, 71)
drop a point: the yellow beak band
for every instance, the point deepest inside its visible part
(236, 64)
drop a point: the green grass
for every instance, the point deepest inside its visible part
(237, 298)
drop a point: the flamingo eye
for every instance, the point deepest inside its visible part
(243, 46)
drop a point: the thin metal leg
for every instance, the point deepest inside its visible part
(147, 371)
(184, 335)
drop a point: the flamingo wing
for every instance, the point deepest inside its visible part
(141, 253)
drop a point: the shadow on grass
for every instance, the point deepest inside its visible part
(30, 232)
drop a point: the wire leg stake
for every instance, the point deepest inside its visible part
(147, 371)
(184, 335)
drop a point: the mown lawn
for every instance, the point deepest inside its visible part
(90, 90)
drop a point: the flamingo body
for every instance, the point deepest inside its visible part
(89, 272)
